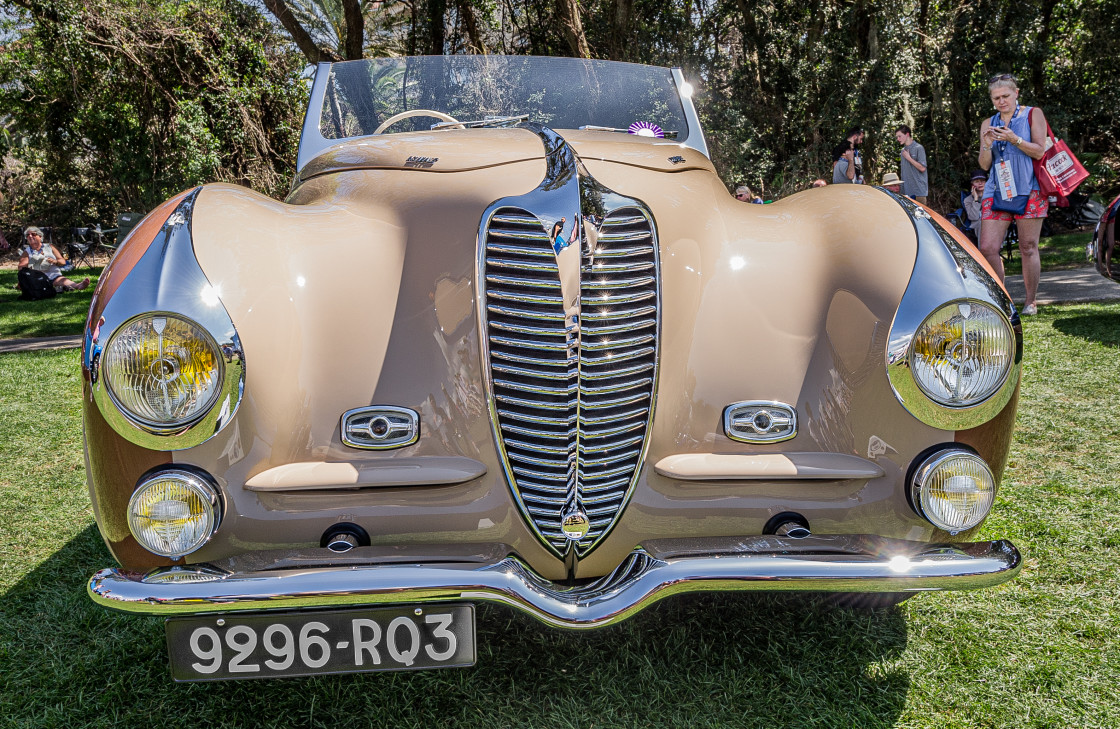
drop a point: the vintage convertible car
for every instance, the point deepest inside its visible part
(510, 340)
(1102, 246)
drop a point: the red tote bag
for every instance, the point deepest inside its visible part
(1058, 171)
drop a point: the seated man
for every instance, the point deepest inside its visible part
(892, 182)
(972, 202)
(39, 257)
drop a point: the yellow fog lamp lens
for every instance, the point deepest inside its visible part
(962, 353)
(163, 371)
(173, 513)
(954, 490)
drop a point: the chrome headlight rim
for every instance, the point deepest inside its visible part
(197, 481)
(945, 416)
(155, 427)
(919, 477)
(190, 433)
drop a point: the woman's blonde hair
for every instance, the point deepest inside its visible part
(1003, 79)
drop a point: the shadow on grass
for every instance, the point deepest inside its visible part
(1095, 327)
(719, 660)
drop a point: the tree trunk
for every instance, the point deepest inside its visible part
(355, 29)
(568, 11)
(302, 38)
(436, 33)
(621, 12)
(470, 24)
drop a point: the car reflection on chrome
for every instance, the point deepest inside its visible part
(509, 340)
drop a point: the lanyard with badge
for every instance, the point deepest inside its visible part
(1005, 180)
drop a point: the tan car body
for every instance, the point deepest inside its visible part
(362, 289)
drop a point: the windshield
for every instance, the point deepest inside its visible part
(561, 93)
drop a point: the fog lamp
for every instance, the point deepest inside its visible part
(953, 490)
(173, 513)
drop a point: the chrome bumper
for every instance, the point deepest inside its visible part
(654, 571)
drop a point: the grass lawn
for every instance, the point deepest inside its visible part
(64, 314)
(1056, 252)
(1040, 651)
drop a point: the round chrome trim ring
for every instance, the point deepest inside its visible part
(921, 477)
(150, 425)
(188, 433)
(204, 484)
(931, 412)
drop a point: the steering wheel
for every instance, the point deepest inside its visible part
(416, 112)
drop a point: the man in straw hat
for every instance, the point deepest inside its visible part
(892, 182)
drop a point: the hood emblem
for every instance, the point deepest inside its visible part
(422, 163)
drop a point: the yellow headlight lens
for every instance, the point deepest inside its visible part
(173, 513)
(954, 490)
(163, 371)
(962, 353)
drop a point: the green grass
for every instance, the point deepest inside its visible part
(64, 314)
(1056, 253)
(1039, 651)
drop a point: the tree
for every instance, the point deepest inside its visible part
(125, 103)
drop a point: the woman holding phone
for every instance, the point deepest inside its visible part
(1008, 150)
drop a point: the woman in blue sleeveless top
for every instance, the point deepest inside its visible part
(1009, 143)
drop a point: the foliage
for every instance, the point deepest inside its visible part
(123, 103)
(126, 101)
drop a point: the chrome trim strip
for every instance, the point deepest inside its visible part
(695, 138)
(848, 563)
(311, 140)
(168, 280)
(944, 273)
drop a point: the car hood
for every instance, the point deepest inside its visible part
(461, 150)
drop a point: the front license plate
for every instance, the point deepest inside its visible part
(267, 645)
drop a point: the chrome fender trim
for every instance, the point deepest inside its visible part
(847, 563)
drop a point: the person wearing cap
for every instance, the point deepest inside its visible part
(973, 202)
(892, 182)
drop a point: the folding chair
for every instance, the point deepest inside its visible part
(81, 247)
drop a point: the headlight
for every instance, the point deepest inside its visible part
(953, 490)
(173, 513)
(962, 353)
(163, 371)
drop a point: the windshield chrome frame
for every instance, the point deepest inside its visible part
(312, 143)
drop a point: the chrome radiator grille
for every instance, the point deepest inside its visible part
(572, 397)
